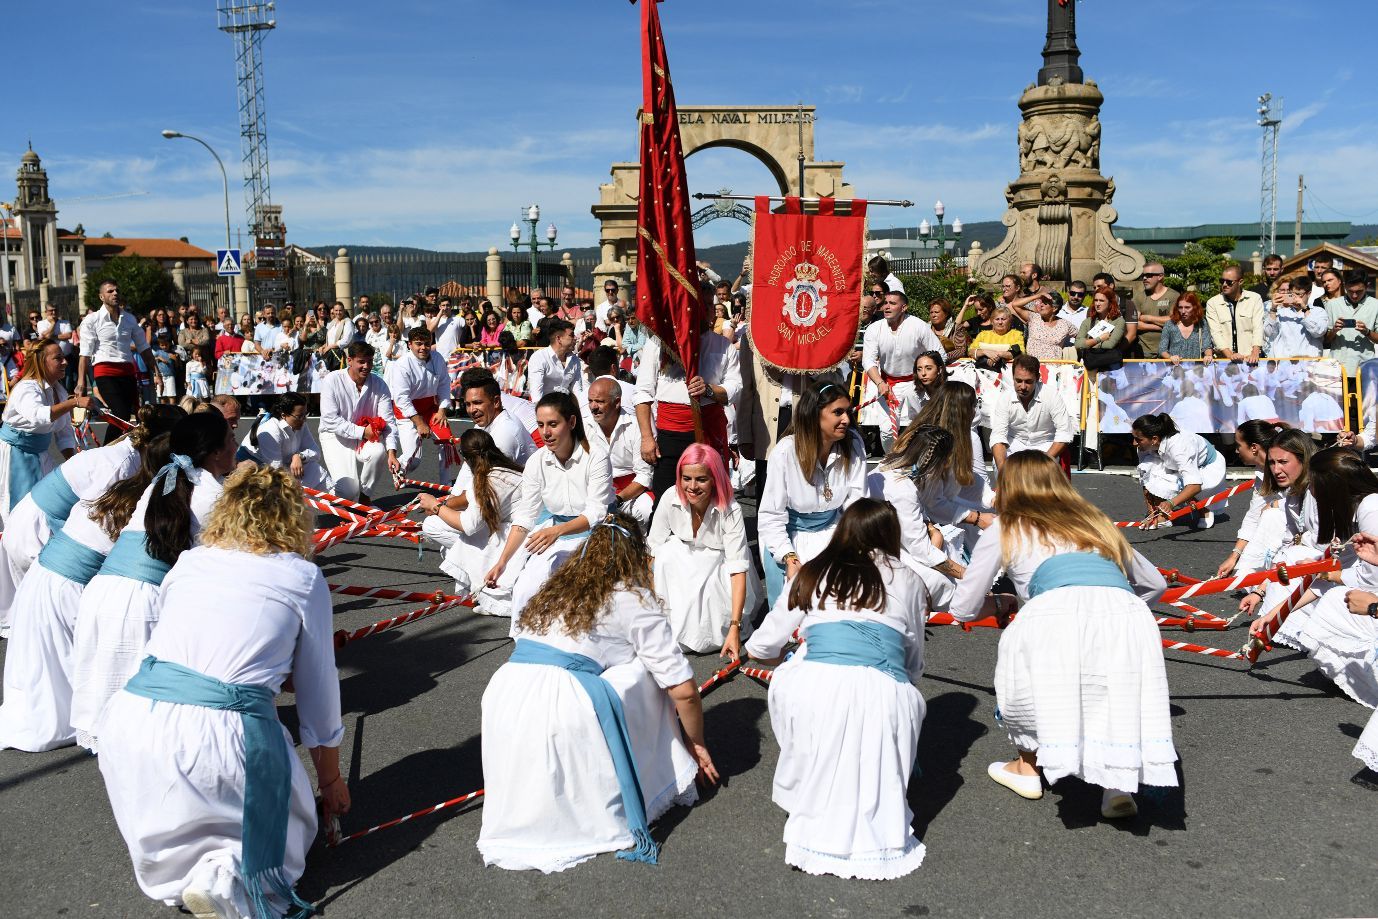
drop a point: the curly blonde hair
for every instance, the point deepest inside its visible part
(613, 558)
(261, 511)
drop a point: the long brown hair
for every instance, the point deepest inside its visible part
(1036, 503)
(952, 408)
(112, 510)
(482, 457)
(33, 360)
(612, 558)
(808, 438)
(844, 571)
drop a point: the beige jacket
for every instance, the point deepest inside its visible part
(1248, 322)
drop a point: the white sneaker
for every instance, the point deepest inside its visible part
(202, 905)
(1206, 520)
(1026, 786)
(1117, 805)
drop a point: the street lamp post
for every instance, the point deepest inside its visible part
(9, 298)
(533, 217)
(225, 180)
(939, 236)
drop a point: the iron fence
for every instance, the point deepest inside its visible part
(401, 274)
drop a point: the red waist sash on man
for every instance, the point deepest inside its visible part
(114, 369)
(678, 417)
(426, 407)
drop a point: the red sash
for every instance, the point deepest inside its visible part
(114, 369)
(675, 416)
(892, 380)
(426, 407)
(620, 482)
(373, 426)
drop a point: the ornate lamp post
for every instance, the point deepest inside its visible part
(533, 217)
(6, 209)
(939, 236)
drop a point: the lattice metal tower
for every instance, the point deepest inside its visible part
(1269, 119)
(248, 21)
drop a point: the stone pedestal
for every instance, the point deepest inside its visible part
(1060, 214)
(493, 278)
(344, 284)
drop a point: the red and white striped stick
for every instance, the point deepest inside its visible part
(759, 673)
(444, 489)
(325, 507)
(1191, 624)
(1170, 645)
(363, 529)
(1282, 573)
(453, 802)
(343, 638)
(388, 593)
(1174, 575)
(1185, 509)
(1256, 645)
(364, 510)
(721, 675)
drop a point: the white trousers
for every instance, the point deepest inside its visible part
(354, 471)
(412, 448)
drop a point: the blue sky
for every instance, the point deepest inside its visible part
(431, 123)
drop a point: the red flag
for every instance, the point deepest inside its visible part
(667, 286)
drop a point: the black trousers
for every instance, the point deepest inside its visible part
(672, 445)
(121, 398)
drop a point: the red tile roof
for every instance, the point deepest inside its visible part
(105, 248)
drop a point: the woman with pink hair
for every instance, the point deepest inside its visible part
(702, 567)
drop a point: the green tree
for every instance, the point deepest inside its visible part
(1198, 267)
(945, 282)
(143, 283)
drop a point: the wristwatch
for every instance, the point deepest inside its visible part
(1373, 611)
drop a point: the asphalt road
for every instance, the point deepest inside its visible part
(1274, 817)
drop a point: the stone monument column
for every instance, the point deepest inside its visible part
(344, 286)
(1060, 212)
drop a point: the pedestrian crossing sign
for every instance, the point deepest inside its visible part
(227, 261)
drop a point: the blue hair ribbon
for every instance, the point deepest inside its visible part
(168, 474)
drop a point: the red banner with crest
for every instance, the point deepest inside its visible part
(806, 280)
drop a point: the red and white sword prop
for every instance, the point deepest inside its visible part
(436, 808)
(343, 638)
(388, 593)
(1282, 574)
(1192, 506)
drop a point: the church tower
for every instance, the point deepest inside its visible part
(37, 218)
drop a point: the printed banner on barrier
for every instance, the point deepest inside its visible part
(1066, 379)
(806, 279)
(1216, 398)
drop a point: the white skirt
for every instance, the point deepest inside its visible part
(1342, 645)
(847, 737)
(551, 798)
(116, 616)
(26, 533)
(696, 588)
(175, 777)
(534, 570)
(468, 561)
(46, 465)
(1269, 533)
(1289, 635)
(37, 710)
(1366, 750)
(1080, 680)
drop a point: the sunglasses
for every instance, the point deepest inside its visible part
(1229, 282)
(1153, 274)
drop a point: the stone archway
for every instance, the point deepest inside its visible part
(771, 134)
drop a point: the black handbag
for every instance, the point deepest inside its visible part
(1100, 358)
(335, 359)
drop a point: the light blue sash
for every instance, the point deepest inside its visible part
(799, 522)
(608, 707)
(54, 498)
(857, 644)
(26, 460)
(130, 559)
(555, 519)
(1211, 453)
(65, 556)
(267, 771)
(1077, 569)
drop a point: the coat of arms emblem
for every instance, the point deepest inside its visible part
(805, 302)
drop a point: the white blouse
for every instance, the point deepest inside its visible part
(718, 365)
(278, 443)
(90, 473)
(632, 627)
(505, 485)
(1185, 453)
(787, 488)
(205, 491)
(339, 333)
(343, 403)
(255, 619)
(901, 494)
(905, 610)
(409, 379)
(723, 530)
(947, 502)
(1257, 502)
(985, 566)
(580, 487)
(30, 409)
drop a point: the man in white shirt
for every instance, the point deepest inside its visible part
(631, 474)
(109, 338)
(1031, 417)
(555, 368)
(1290, 327)
(358, 431)
(610, 303)
(60, 330)
(483, 402)
(663, 394)
(888, 352)
(419, 383)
